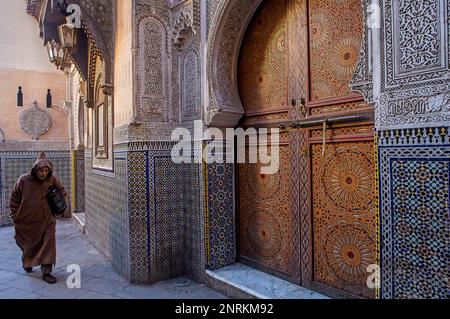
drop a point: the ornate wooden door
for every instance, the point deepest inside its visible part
(314, 222)
(265, 212)
(342, 171)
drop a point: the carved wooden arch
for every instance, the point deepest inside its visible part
(100, 98)
(98, 86)
(92, 76)
(97, 20)
(227, 31)
(96, 36)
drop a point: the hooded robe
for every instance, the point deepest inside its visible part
(33, 221)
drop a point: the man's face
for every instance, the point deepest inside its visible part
(42, 173)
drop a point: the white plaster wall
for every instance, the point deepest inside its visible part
(20, 44)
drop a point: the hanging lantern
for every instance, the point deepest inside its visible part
(67, 36)
(49, 47)
(55, 53)
(66, 62)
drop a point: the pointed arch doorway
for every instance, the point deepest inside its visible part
(314, 222)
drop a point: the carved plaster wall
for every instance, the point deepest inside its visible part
(414, 55)
(153, 67)
(185, 33)
(412, 91)
(362, 78)
(227, 29)
(167, 80)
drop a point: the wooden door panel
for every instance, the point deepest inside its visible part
(344, 208)
(265, 214)
(262, 68)
(342, 177)
(335, 35)
(265, 219)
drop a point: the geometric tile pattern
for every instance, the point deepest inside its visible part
(193, 262)
(107, 212)
(167, 220)
(138, 214)
(420, 226)
(79, 167)
(16, 163)
(414, 188)
(165, 215)
(174, 217)
(221, 221)
(77, 178)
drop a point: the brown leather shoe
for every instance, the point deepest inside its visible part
(28, 269)
(49, 278)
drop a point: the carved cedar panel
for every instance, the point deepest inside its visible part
(336, 29)
(262, 69)
(344, 212)
(297, 37)
(265, 215)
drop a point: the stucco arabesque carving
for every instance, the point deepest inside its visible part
(35, 121)
(362, 78)
(185, 17)
(226, 33)
(183, 24)
(153, 79)
(414, 86)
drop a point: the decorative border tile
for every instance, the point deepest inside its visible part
(220, 216)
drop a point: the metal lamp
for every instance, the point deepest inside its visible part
(49, 47)
(67, 36)
(66, 62)
(55, 53)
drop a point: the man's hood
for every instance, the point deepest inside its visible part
(42, 161)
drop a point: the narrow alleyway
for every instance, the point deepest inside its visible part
(98, 280)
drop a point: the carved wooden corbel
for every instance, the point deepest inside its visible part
(108, 89)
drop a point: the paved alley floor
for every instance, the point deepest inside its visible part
(98, 280)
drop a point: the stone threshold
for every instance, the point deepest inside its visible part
(244, 282)
(79, 219)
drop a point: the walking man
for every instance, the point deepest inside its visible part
(34, 223)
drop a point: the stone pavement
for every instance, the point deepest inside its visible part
(98, 280)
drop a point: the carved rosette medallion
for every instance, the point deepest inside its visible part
(35, 121)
